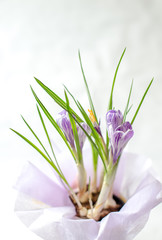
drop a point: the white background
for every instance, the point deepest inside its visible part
(41, 38)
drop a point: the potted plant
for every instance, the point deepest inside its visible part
(114, 191)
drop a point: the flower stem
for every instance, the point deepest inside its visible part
(110, 201)
(101, 199)
(82, 182)
(101, 178)
(94, 181)
(105, 191)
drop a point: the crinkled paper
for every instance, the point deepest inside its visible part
(43, 204)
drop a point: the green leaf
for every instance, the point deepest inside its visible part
(83, 112)
(96, 136)
(74, 128)
(71, 95)
(139, 106)
(45, 129)
(37, 138)
(87, 88)
(94, 157)
(48, 138)
(129, 109)
(110, 106)
(88, 121)
(56, 98)
(40, 152)
(90, 139)
(113, 84)
(127, 105)
(53, 122)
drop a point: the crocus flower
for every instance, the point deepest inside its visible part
(113, 120)
(120, 138)
(119, 133)
(64, 123)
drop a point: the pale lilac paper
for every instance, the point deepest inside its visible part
(134, 181)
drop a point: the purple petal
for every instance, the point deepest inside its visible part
(113, 120)
(124, 127)
(119, 133)
(63, 112)
(64, 123)
(120, 138)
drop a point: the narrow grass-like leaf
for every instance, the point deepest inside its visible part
(71, 95)
(94, 132)
(129, 109)
(94, 157)
(53, 122)
(74, 128)
(88, 121)
(87, 88)
(110, 106)
(127, 105)
(96, 136)
(45, 129)
(48, 138)
(83, 112)
(39, 151)
(90, 139)
(37, 138)
(85, 115)
(56, 98)
(139, 106)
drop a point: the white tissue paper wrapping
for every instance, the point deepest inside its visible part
(43, 204)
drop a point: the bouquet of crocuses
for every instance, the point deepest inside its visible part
(92, 197)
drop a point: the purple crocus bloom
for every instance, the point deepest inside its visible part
(64, 123)
(119, 133)
(113, 120)
(119, 139)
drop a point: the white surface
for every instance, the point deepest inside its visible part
(41, 38)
